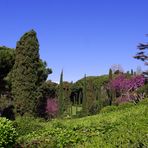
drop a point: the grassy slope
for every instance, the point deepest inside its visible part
(123, 126)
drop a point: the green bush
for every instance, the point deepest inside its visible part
(126, 105)
(8, 133)
(122, 106)
(25, 125)
(143, 89)
(108, 109)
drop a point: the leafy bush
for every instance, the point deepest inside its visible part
(122, 106)
(108, 109)
(126, 105)
(8, 133)
(143, 89)
(25, 125)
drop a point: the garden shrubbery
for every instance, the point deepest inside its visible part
(26, 125)
(117, 126)
(8, 134)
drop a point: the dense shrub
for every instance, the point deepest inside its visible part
(8, 133)
(143, 90)
(122, 106)
(108, 109)
(25, 125)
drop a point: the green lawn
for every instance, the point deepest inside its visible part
(123, 126)
(76, 109)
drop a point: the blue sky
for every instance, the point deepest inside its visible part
(79, 36)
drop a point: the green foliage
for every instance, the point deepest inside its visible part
(123, 126)
(28, 75)
(67, 93)
(42, 72)
(24, 74)
(108, 109)
(95, 92)
(98, 81)
(6, 64)
(110, 74)
(50, 89)
(63, 93)
(6, 61)
(110, 92)
(27, 124)
(8, 133)
(122, 106)
(143, 90)
(46, 91)
(61, 96)
(76, 110)
(85, 98)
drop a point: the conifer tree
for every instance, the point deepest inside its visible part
(61, 95)
(6, 63)
(110, 93)
(84, 101)
(132, 72)
(110, 74)
(24, 76)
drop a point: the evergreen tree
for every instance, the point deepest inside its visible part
(132, 72)
(142, 55)
(24, 76)
(61, 95)
(67, 93)
(43, 89)
(84, 101)
(6, 63)
(110, 93)
(110, 74)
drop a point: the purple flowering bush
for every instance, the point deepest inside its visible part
(52, 108)
(125, 88)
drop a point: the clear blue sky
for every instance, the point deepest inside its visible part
(79, 36)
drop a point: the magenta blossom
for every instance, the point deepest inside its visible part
(52, 107)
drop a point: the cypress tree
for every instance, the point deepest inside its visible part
(110, 74)
(84, 101)
(79, 98)
(110, 91)
(132, 72)
(61, 95)
(24, 74)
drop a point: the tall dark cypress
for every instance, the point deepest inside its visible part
(61, 95)
(110, 74)
(24, 74)
(132, 72)
(84, 101)
(110, 91)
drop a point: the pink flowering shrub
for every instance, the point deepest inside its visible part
(52, 108)
(124, 87)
